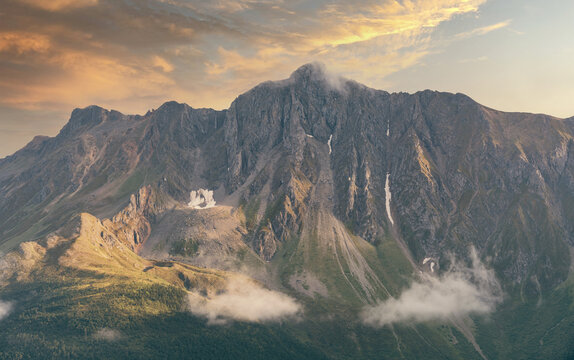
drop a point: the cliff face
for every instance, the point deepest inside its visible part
(458, 172)
(311, 161)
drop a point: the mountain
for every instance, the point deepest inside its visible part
(334, 201)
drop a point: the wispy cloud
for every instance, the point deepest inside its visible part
(460, 291)
(484, 30)
(65, 53)
(474, 60)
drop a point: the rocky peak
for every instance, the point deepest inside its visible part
(84, 119)
(132, 225)
(171, 107)
(315, 75)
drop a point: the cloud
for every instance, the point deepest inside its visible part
(5, 309)
(107, 334)
(58, 5)
(357, 24)
(484, 30)
(460, 291)
(474, 60)
(162, 64)
(244, 300)
(191, 49)
(23, 43)
(319, 72)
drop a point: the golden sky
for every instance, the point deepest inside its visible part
(133, 55)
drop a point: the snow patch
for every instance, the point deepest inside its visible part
(309, 136)
(388, 199)
(201, 199)
(329, 143)
(388, 128)
(431, 262)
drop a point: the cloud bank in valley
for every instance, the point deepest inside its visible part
(244, 300)
(460, 291)
(5, 309)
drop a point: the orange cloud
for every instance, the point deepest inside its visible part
(162, 64)
(21, 42)
(83, 79)
(347, 24)
(58, 5)
(203, 52)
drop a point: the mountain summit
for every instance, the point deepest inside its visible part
(336, 198)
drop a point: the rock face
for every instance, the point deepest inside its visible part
(318, 164)
(132, 224)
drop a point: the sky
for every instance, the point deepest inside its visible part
(133, 55)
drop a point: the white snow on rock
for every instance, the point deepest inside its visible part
(329, 143)
(388, 199)
(201, 199)
(431, 262)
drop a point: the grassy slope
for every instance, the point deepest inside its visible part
(532, 329)
(66, 291)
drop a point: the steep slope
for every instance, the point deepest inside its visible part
(455, 170)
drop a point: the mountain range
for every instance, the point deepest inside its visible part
(314, 218)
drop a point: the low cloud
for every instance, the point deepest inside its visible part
(460, 291)
(244, 300)
(5, 309)
(107, 334)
